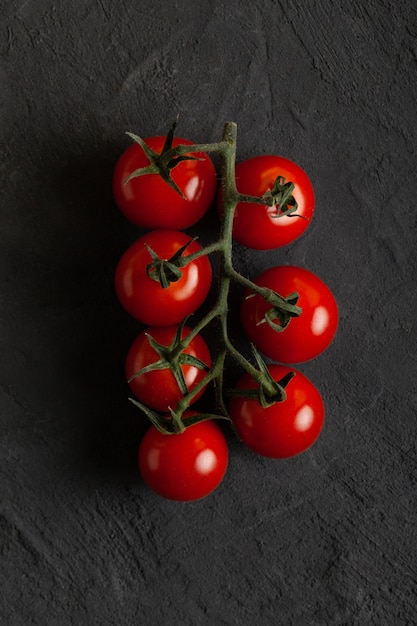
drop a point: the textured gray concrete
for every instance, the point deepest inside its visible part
(328, 538)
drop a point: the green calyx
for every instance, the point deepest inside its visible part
(280, 196)
(282, 310)
(269, 391)
(167, 271)
(174, 424)
(161, 163)
(172, 357)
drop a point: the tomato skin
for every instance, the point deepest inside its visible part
(187, 466)
(256, 226)
(149, 202)
(306, 336)
(144, 298)
(286, 428)
(158, 389)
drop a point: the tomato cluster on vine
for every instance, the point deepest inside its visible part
(165, 185)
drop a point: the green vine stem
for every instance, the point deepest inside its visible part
(270, 391)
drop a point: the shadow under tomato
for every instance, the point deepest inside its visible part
(80, 325)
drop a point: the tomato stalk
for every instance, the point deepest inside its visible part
(168, 270)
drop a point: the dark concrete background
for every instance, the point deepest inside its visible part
(327, 538)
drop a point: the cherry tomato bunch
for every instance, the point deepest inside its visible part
(165, 185)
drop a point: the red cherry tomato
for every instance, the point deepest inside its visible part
(158, 389)
(144, 298)
(286, 428)
(257, 226)
(149, 202)
(306, 336)
(187, 466)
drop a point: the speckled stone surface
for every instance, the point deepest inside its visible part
(327, 538)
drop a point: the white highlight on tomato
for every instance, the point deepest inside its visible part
(191, 188)
(320, 320)
(304, 418)
(205, 462)
(153, 459)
